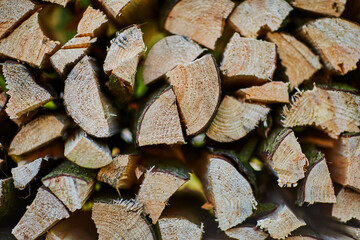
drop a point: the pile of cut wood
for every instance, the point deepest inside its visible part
(179, 119)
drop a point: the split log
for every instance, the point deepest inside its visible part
(160, 123)
(300, 62)
(77, 47)
(122, 60)
(38, 133)
(28, 43)
(7, 196)
(121, 219)
(160, 182)
(235, 119)
(25, 94)
(86, 151)
(227, 190)
(60, 2)
(334, 111)
(272, 92)
(201, 20)
(248, 61)
(23, 175)
(71, 184)
(85, 102)
(166, 54)
(45, 211)
(253, 18)
(172, 228)
(120, 173)
(78, 226)
(335, 40)
(246, 232)
(197, 89)
(281, 222)
(13, 13)
(317, 185)
(328, 7)
(347, 205)
(344, 161)
(282, 153)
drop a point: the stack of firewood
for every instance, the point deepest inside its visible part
(180, 119)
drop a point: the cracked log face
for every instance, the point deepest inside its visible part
(329, 7)
(347, 205)
(202, 21)
(173, 228)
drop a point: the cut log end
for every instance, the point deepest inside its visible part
(160, 122)
(246, 232)
(201, 20)
(197, 89)
(172, 228)
(329, 7)
(235, 119)
(347, 205)
(23, 175)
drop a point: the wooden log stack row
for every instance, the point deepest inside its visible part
(189, 119)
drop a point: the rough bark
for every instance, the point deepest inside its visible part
(201, 20)
(166, 54)
(86, 151)
(272, 92)
(300, 62)
(248, 61)
(38, 133)
(71, 184)
(253, 18)
(334, 111)
(28, 43)
(197, 88)
(335, 40)
(282, 153)
(7, 196)
(235, 119)
(45, 211)
(121, 219)
(85, 102)
(160, 123)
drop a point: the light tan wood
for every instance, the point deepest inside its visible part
(317, 185)
(77, 47)
(123, 57)
(229, 192)
(166, 54)
(334, 111)
(336, 40)
(201, 20)
(248, 60)
(344, 161)
(347, 205)
(91, 21)
(45, 211)
(235, 119)
(38, 133)
(13, 12)
(281, 222)
(172, 228)
(272, 92)
(86, 151)
(24, 174)
(156, 189)
(85, 102)
(197, 89)
(121, 219)
(300, 62)
(71, 184)
(114, 7)
(121, 172)
(253, 18)
(25, 94)
(160, 122)
(327, 7)
(28, 43)
(283, 154)
(60, 2)
(246, 232)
